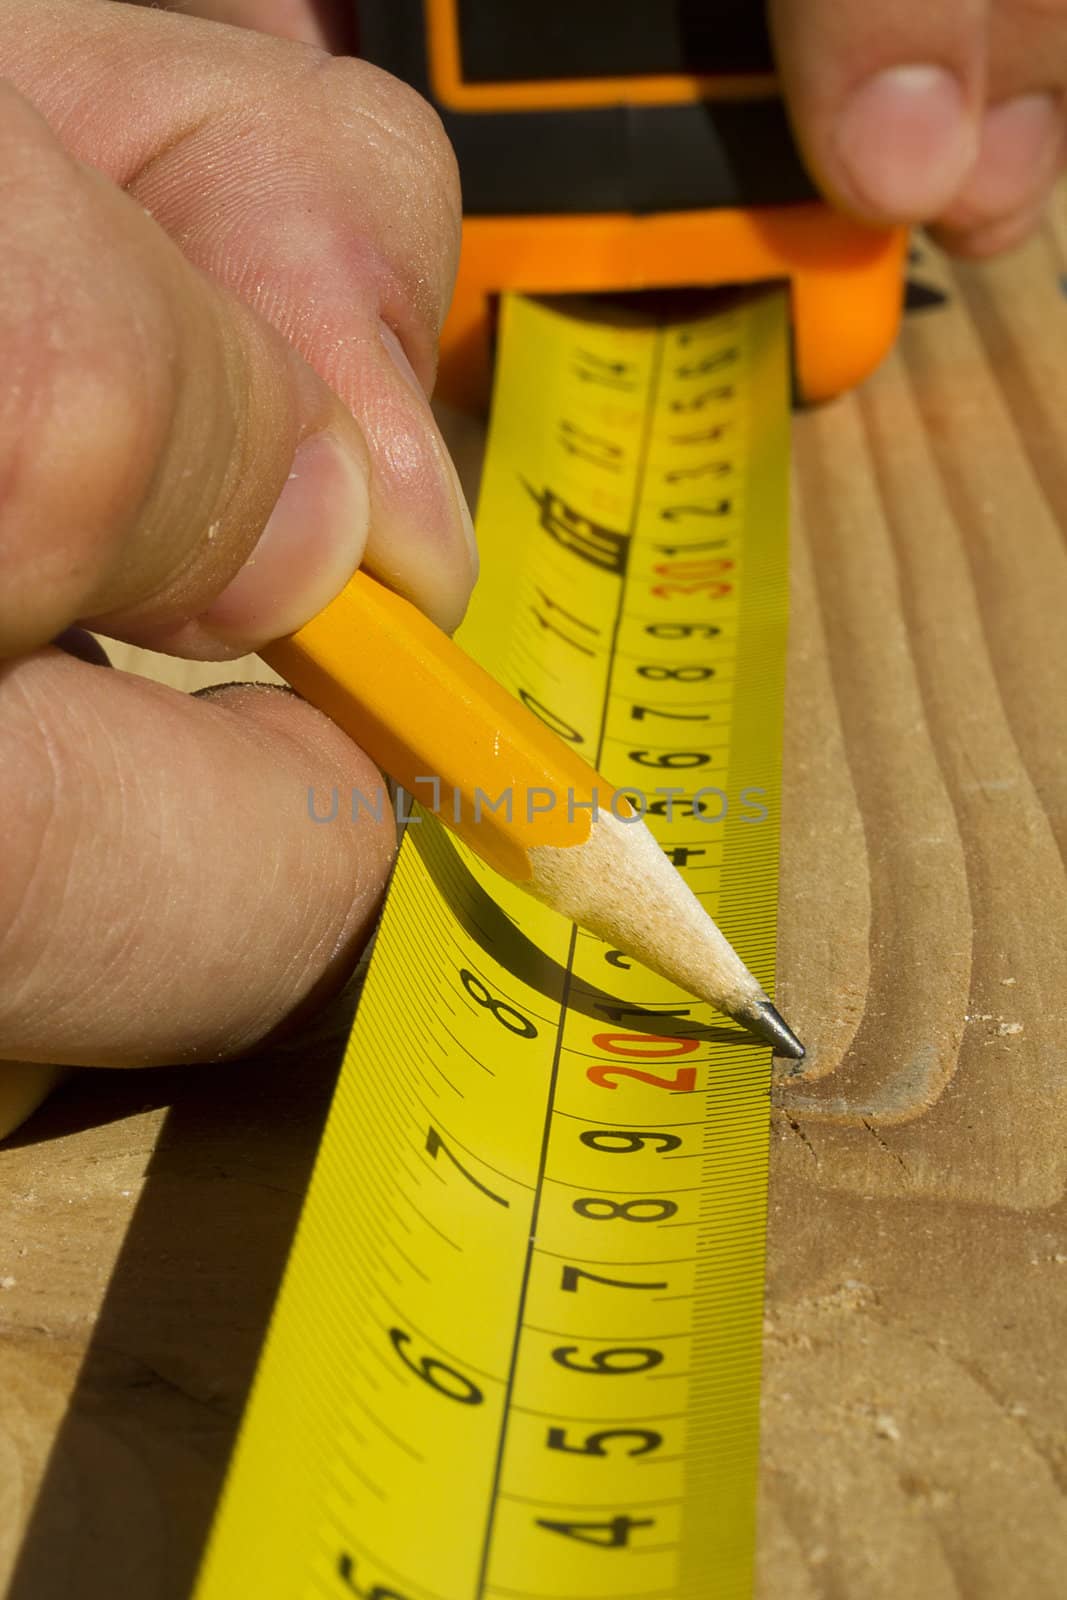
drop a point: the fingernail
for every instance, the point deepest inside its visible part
(906, 140)
(312, 543)
(1017, 154)
(463, 516)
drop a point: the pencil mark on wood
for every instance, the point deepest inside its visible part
(881, 1143)
(802, 1136)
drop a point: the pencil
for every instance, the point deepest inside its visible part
(522, 799)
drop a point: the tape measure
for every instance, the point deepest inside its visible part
(516, 1352)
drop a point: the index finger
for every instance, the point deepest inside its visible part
(321, 191)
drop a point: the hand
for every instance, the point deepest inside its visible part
(914, 111)
(226, 259)
(951, 114)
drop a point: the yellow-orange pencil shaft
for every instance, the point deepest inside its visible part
(517, 794)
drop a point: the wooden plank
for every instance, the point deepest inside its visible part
(915, 1398)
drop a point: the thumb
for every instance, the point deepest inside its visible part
(885, 112)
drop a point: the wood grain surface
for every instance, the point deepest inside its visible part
(915, 1399)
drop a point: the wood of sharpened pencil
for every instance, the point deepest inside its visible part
(424, 711)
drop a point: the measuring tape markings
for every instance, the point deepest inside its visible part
(607, 1354)
(464, 1369)
(517, 1539)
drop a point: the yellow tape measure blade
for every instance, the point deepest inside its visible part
(516, 1352)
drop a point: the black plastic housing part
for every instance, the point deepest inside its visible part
(631, 157)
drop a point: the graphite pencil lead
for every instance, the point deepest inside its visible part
(767, 1022)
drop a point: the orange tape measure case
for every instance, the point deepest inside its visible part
(651, 145)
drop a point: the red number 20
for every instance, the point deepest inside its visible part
(643, 1044)
(684, 1079)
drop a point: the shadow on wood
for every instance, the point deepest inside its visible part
(138, 1460)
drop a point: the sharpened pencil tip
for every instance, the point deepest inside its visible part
(766, 1021)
